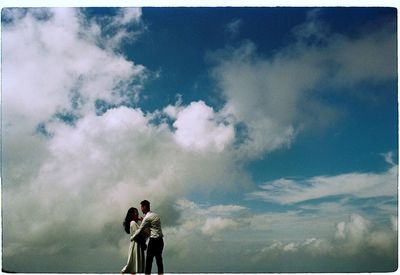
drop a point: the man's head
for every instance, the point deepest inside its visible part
(145, 206)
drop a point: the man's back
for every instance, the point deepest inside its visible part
(153, 221)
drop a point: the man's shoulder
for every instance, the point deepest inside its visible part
(152, 215)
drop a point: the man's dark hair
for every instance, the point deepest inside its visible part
(146, 204)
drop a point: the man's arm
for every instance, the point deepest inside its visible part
(145, 224)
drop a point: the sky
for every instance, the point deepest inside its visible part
(266, 138)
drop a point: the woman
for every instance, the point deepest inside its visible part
(136, 256)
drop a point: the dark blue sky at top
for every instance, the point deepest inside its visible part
(178, 41)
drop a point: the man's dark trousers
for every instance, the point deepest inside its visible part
(154, 249)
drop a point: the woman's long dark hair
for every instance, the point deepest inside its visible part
(128, 219)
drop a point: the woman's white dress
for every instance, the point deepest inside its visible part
(135, 262)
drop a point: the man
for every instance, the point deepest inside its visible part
(156, 244)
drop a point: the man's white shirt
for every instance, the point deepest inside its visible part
(152, 221)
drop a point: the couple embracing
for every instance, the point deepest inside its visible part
(149, 228)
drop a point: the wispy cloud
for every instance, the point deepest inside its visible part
(362, 185)
(277, 96)
(389, 158)
(233, 27)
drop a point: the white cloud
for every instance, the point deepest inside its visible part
(352, 239)
(309, 246)
(252, 100)
(198, 127)
(109, 31)
(361, 185)
(34, 50)
(227, 209)
(358, 233)
(106, 164)
(200, 231)
(48, 68)
(70, 185)
(354, 230)
(215, 224)
(210, 221)
(130, 15)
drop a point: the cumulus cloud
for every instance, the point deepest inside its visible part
(35, 49)
(76, 157)
(95, 170)
(213, 219)
(47, 79)
(266, 240)
(352, 238)
(354, 230)
(213, 225)
(202, 233)
(52, 77)
(358, 233)
(199, 127)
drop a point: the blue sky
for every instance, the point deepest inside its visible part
(266, 138)
(182, 57)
